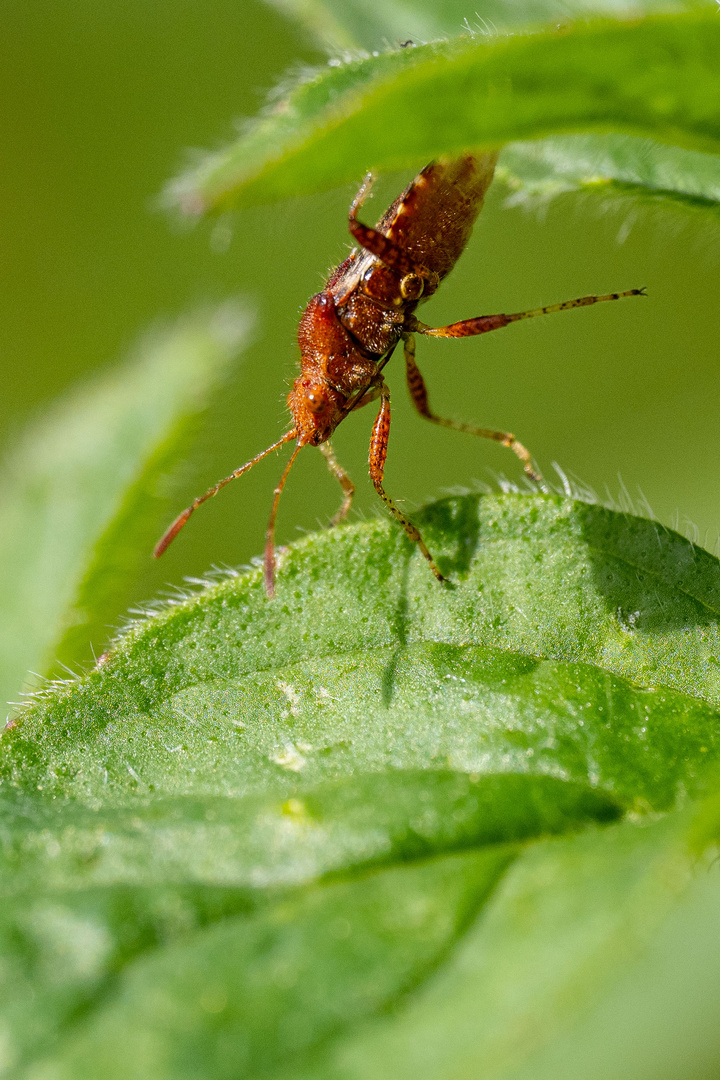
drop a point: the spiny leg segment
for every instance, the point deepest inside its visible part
(484, 323)
(378, 454)
(343, 479)
(418, 393)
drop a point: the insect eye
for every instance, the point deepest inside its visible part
(315, 401)
(412, 287)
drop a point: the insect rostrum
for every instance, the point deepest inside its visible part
(349, 331)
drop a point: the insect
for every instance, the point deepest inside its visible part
(349, 331)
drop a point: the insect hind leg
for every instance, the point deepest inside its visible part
(378, 455)
(419, 395)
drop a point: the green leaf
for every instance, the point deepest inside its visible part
(85, 487)
(373, 825)
(248, 994)
(99, 902)
(610, 165)
(364, 25)
(364, 661)
(263, 841)
(655, 76)
(611, 917)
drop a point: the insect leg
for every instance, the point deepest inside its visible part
(169, 535)
(389, 253)
(365, 399)
(484, 323)
(378, 454)
(363, 192)
(419, 395)
(343, 479)
(269, 561)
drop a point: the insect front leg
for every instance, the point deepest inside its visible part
(342, 478)
(418, 393)
(378, 454)
(367, 398)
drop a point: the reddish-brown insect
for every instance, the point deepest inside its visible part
(350, 330)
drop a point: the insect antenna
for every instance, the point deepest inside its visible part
(168, 537)
(270, 535)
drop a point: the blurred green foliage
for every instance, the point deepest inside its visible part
(82, 494)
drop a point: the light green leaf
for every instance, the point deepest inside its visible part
(610, 165)
(84, 488)
(250, 994)
(365, 25)
(656, 76)
(263, 841)
(94, 900)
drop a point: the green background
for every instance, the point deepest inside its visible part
(101, 103)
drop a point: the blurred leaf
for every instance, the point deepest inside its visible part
(251, 992)
(261, 841)
(83, 491)
(573, 923)
(361, 24)
(310, 837)
(657, 77)
(610, 165)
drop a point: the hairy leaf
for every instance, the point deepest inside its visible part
(655, 76)
(358, 25)
(611, 165)
(373, 827)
